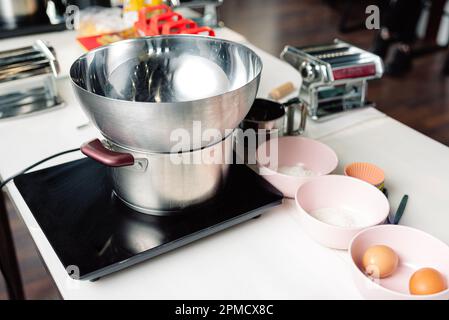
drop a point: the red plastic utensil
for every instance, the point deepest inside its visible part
(199, 30)
(150, 20)
(158, 21)
(176, 27)
(145, 14)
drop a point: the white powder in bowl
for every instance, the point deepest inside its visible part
(342, 217)
(298, 170)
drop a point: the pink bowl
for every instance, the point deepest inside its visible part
(315, 156)
(339, 192)
(415, 248)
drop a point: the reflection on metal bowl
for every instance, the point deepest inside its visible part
(138, 92)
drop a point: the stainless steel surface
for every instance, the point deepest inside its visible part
(296, 119)
(264, 114)
(288, 118)
(194, 3)
(265, 121)
(334, 77)
(158, 184)
(275, 124)
(14, 11)
(207, 7)
(27, 80)
(137, 92)
(28, 62)
(21, 103)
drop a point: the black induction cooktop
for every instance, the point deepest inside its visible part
(91, 229)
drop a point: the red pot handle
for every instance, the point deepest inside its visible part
(97, 151)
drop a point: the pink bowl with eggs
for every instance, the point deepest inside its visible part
(415, 249)
(317, 157)
(339, 196)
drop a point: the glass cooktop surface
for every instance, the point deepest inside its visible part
(91, 229)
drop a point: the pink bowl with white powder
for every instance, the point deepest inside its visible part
(297, 161)
(415, 249)
(333, 209)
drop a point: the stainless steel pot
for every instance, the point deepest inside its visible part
(15, 11)
(164, 183)
(138, 92)
(264, 114)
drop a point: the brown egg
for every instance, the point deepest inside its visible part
(380, 261)
(427, 281)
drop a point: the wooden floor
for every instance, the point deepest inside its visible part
(37, 281)
(420, 100)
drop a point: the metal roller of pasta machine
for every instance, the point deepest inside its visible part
(334, 76)
(27, 80)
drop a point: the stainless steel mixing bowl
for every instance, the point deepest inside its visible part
(138, 92)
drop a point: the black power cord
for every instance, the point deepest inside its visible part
(35, 165)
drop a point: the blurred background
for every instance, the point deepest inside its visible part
(412, 40)
(418, 98)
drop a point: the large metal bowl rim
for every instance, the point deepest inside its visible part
(85, 55)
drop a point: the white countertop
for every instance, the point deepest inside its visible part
(267, 258)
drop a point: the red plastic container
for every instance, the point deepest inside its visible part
(160, 19)
(200, 30)
(176, 27)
